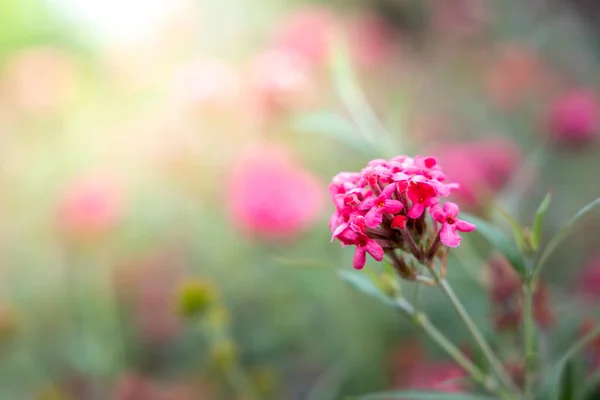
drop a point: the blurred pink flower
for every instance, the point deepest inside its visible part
(412, 370)
(40, 78)
(90, 206)
(282, 80)
(441, 376)
(370, 39)
(307, 32)
(515, 72)
(270, 196)
(588, 281)
(480, 168)
(575, 117)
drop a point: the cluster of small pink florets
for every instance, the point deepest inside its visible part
(384, 207)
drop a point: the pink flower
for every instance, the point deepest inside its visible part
(446, 216)
(90, 206)
(441, 376)
(479, 168)
(365, 245)
(307, 32)
(588, 282)
(373, 205)
(270, 196)
(422, 196)
(379, 205)
(575, 117)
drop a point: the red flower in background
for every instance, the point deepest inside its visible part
(481, 168)
(411, 369)
(269, 195)
(307, 32)
(90, 206)
(574, 118)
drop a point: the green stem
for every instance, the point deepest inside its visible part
(421, 320)
(528, 338)
(240, 382)
(494, 362)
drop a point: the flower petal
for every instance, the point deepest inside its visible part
(374, 249)
(392, 206)
(341, 228)
(360, 258)
(448, 236)
(437, 213)
(399, 222)
(464, 226)
(374, 217)
(368, 203)
(388, 191)
(451, 209)
(416, 210)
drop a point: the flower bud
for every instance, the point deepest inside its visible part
(195, 298)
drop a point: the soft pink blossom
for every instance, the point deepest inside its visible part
(307, 32)
(447, 216)
(480, 168)
(269, 195)
(440, 376)
(588, 280)
(574, 118)
(90, 206)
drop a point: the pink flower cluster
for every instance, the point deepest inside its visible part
(385, 205)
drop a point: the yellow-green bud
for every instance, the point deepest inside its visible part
(195, 298)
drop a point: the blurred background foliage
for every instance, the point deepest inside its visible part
(145, 145)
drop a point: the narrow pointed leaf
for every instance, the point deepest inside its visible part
(536, 234)
(562, 234)
(516, 229)
(362, 282)
(499, 241)
(332, 125)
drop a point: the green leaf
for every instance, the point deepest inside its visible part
(416, 395)
(561, 235)
(564, 381)
(352, 97)
(500, 241)
(517, 231)
(537, 222)
(332, 125)
(363, 283)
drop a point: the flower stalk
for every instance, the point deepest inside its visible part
(422, 321)
(528, 337)
(492, 359)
